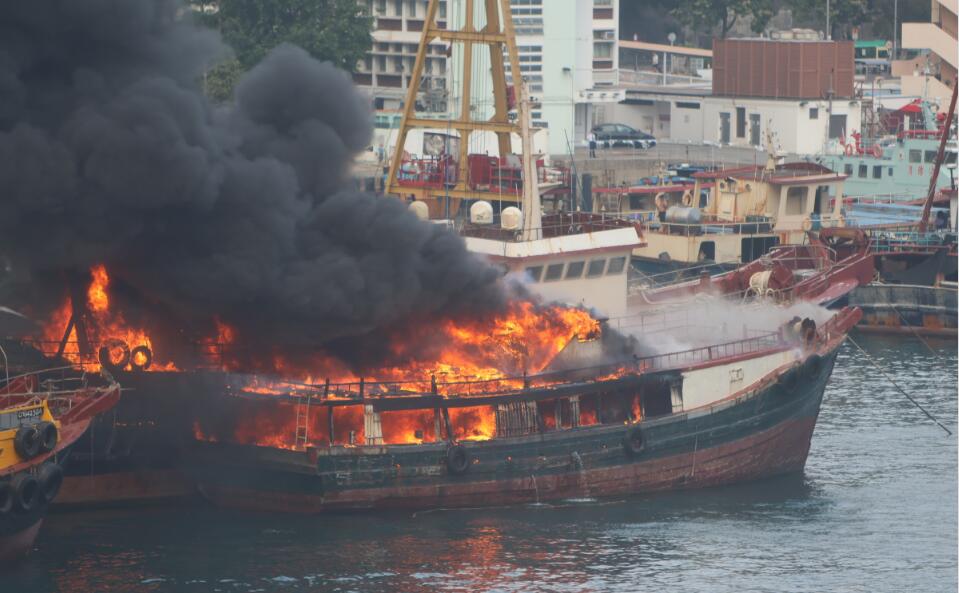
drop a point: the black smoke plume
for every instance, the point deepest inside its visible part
(110, 153)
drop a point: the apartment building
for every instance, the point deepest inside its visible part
(933, 73)
(387, 68)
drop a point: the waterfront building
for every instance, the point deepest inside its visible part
(932, 72)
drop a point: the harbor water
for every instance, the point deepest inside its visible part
(875, 511)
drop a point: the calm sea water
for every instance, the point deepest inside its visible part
(875, 511)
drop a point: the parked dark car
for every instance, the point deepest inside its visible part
(621, 135)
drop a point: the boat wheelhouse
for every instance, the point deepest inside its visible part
(747, 211)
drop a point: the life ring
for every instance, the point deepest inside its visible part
(50, 477)
(6, 498)
(141, 358)
(634, 442)
(106, 355)
(812, 366)
(877, 151)
(26, 492)
(48, 436)
(687, 198)
(850, 150)
(27, 442)
(457, 460)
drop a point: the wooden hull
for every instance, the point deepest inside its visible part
(762, 431)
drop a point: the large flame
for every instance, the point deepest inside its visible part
(453, 357)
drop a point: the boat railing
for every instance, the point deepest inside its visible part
(48, 383)
(361, 391)
(554, 225)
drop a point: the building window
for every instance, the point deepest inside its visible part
(534, 273)
(682, 105)
(596, 267)
(601, 50)
(398, 6)
(574, 270)
(877, 172)
(915, 156)
(554, 272)
(863, 171)
(813, 113)
(740, 122)
(616, 266)
(889, 172)
(847, 169)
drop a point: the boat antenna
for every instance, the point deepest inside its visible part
(572, 164)
(946, 131)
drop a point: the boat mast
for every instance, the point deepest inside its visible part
(532, 208)
(946, 130)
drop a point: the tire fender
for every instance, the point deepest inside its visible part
(27, 442)
(457, 459)
(634, 442)
(26, 492)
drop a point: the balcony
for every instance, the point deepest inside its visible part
(929, 36)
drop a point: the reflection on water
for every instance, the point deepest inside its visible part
(875, 510)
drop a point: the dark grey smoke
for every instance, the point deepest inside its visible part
(110, 153)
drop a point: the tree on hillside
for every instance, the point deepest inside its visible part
(704, 15)
(337, 31)
(843, 14)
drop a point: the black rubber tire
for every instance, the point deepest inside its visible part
(812, 366)
(634, 442)
(49, 435)
(107, 362)
(50, 477)
(6, 497)
(789, 379)
(147, 358)
(457, 460)
(27, 442)
(26, 492)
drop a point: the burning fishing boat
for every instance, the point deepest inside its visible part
(42, 415)
(717, 413)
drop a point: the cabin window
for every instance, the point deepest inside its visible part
(915, 156)
(707, 251)
(877, 172)
(863, 170)
(796, 200)
(813, 113)
(554, 272)
(889, 172)
(596, 267)
(847, 169)
(657, 400)
(616, 266)
(755, 247)
(950, 158)
(575, 269)
(931, 156)
(822, 195)
(534, 273)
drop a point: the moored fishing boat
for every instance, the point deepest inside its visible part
(41, 418)
(714, 414)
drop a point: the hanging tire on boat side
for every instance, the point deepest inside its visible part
(634, 442)
(106, 355)
(48, 436)
(6, 497)
(457, 460)
(141, 358)
(27, 442)
(50, 477)
(812, 366)
(26, 492)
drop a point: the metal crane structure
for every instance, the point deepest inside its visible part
(443, 180)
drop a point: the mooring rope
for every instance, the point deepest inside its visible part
(896, 385)
(915, 332)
